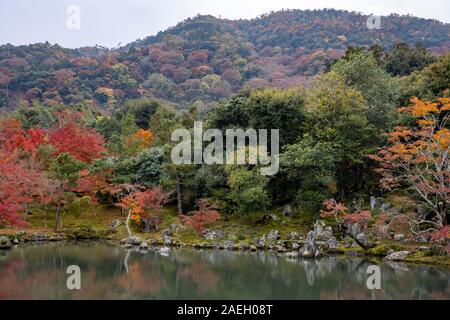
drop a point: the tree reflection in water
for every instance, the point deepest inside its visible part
(111, 272)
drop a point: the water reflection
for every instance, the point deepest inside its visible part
(110, 272)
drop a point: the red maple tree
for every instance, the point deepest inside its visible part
(84, 144)
(204, 216)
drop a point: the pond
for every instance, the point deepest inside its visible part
(111, 272)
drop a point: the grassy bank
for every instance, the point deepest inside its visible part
(94, 222)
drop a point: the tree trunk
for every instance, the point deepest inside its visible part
(61, 220)
(340, 191)
(359, 177)
(340, 183)
(55, 228)
(127, 224)
(179, 204)
(45, 216)
(25, 212)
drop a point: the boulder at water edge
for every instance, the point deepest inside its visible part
(5, 243)
(397, 256)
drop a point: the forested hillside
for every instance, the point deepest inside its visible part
(364, 146)
(204, 59)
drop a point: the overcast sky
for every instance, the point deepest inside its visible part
(110, 22)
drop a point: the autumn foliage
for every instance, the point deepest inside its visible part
(25, 176)
(205, 215)
(441, 234)
(201, 59)
(138, 141)
(84, 144)
(144, 204)
(341, 213)
(418, 159)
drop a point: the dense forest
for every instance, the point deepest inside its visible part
(93, 126)
(205, 59)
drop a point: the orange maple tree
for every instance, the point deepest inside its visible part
(140, 203)
(138, 141)
(418, 159)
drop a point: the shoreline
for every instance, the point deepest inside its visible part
(24, 238)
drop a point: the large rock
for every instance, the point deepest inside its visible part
(261, 241)
(397, 256)
(167, 240)
(322, 233)
(134, 241)
(210, 235)
(287, 211)
(332, 243)
(228, 245)
(38, 237)
(294, 236)
(143, 246)
(354, 229)
(420, 239)
(309, 248)
(177, 227)
(267, 218)
(5, 243)
(115, 223)
(320, 238)
(399, 237)
(213, 235)
(56, 237)
(273, 236)
(274, 217)
(364, 240)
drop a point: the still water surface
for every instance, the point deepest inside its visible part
(111, 272)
